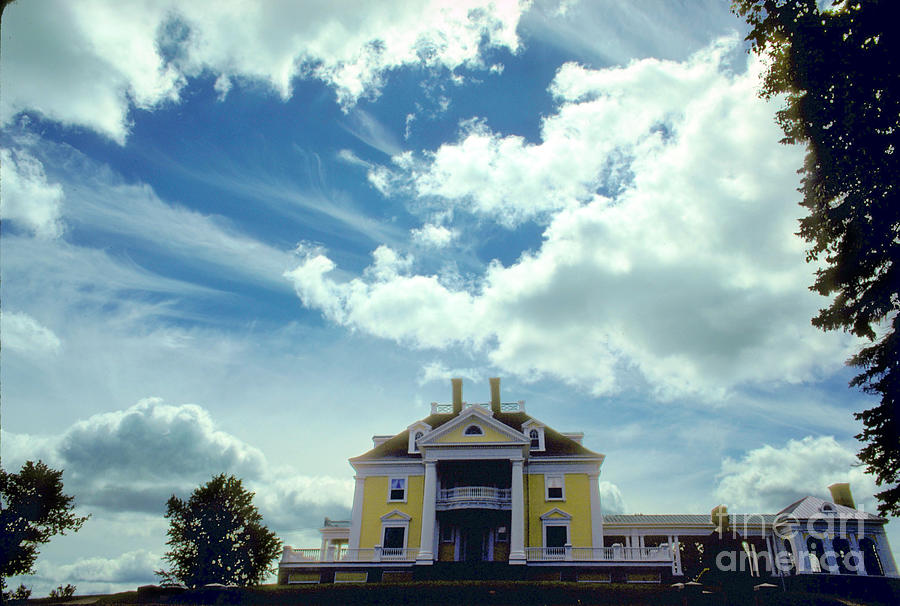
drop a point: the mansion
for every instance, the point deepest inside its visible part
(487, 491)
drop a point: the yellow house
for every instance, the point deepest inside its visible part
(487, 491)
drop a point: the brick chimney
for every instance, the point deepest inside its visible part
(495, 395)
(457, 395)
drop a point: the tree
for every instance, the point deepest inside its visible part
(838, 70)
(33, 510)
(217, 536)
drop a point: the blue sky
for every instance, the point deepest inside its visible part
(245, 240)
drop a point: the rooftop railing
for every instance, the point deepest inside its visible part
(445, 409)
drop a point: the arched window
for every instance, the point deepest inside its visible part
(418, 435)
(535, 437)
(474, 430)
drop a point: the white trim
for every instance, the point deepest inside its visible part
(547, 521)
(562, 487)
(405, 489)
(356, 515)
(467, 417)
(561, 466)
(396, 519)
(478, 430)
(534, 425)
(418, 426)
(388, 468)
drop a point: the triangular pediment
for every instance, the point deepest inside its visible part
(556, 514)
(395, 515)
(474, 425)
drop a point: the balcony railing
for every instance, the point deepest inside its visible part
(615, 553)
(376, 554)
(474, 497)
(445, 409)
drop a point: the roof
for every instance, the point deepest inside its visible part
(686, 519)
(811, 507)
(555, 444)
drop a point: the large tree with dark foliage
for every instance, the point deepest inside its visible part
(33, 509)
(217, 536)
(838, 71)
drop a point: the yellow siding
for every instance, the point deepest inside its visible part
(375, 505)
(490, 434)
(577, 504)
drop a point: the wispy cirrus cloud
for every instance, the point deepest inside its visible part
(684, 270)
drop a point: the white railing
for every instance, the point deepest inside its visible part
(463, 497)
(376, 554)
(615, 553)
(437, 409)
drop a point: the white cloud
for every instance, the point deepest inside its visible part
(433, 236)
(438, 371)
(770, 478)
(23, 333)
(686, 275)
(28, 199)
(611, 498)
(101, 60)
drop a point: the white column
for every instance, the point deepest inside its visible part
(356, 514)
(426, 545)
(596, 511)
(830, 555)
(517, 517)
(678, 569)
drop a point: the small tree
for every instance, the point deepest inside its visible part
(33, 508)
(217, 536)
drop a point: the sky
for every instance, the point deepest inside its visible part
(244, 238)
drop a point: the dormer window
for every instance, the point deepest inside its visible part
(416, 431)
(534, 431)
(828, 508)
(473, 430)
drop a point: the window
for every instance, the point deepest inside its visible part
(502, 534)
(418, 435)
(535, 437)
(446, 533)
(398, 489)
(556, 536)
(474, 430)
(393, 537)
(554, 488)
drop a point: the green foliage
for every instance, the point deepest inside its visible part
(217, 536)
(33, 508)
(838, 71)
(63, 593)
(21, 593)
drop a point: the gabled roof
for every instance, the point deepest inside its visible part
(811, 507)
(474, 415)
(555, 444)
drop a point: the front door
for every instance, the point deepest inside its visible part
(474, 545)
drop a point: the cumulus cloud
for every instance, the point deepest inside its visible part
(28, 198)
(133, 567)
(433, 236)
(684, 272)
(23, 333)
(769, 478)
(102, 60)
(135, 459)
(611, 498)
(438, 371)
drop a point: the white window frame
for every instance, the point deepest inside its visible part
(396, 519)
(556, 522)
(476, 426)
(405, 489)
(412, 446)
(527, 429)
(562, 481)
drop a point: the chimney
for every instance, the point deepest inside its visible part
(457, 395)
(719, 518)
(841, 495)
(495, 395)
